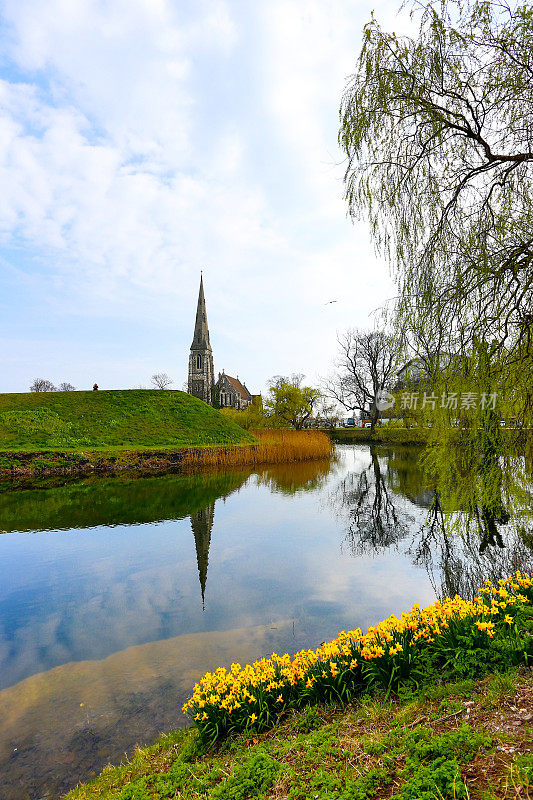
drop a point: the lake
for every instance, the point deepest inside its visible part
(117, 594)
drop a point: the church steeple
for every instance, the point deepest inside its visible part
(201, 331)
(201, 370)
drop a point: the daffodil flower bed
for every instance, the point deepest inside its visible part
(452, 638)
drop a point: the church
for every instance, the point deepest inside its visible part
(227, 392)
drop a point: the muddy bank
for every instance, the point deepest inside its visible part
(49, 463)
(20, 467)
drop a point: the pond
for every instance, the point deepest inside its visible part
(117, 594)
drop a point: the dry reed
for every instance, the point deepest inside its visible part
(273, 447)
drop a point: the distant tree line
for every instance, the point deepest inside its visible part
(159, 380)
(44, 385)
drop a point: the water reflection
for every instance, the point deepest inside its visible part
(481, 490)
(116, 595)
(289, 479)
(66, 724)
(481, 518)
(460, 563)
(202, 525)
(377, 516)
(113, 501)
(101, 632)
(477, 520)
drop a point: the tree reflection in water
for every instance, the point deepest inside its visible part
(478, 513)
(377, 519)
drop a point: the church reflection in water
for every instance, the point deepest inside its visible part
(202, 525)
(285, 479)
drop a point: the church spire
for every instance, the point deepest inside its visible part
(201, 331)
(201, 376)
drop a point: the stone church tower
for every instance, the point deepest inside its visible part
(201, 371)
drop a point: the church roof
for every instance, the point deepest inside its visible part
(239, 387)
(201, 331)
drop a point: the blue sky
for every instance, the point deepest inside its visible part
(144, 140)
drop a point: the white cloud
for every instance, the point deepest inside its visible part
(141, 141)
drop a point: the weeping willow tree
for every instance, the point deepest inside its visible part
(437, 129)
(477, 457)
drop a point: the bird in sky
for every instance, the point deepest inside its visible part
(330, 302)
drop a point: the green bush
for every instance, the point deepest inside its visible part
(366, 786)
(308, 721)
(461, 745)
(439, 779)
(250, 779)
(138, 790)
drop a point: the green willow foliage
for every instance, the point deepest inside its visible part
(479, 451)
(438, 134)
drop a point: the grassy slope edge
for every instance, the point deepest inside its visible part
(112, 419)
(471, 739)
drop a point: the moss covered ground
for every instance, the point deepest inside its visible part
(107, 420)
(472, 739)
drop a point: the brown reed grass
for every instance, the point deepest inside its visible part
(274, 446)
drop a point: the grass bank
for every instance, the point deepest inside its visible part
(148, 431)
(381, 720)
(106, 420)
(382, 434)
(269, 447)
(468, 739)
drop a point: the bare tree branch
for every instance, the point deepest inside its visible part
(367, 366)
(160, 380)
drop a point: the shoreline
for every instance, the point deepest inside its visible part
(16, 465)
(340, 749)
(416, 436)
(361, 714)
(400, 436)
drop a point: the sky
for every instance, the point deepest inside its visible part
(142, 141)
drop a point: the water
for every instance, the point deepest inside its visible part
(117, 594)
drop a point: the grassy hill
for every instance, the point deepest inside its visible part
(107, 419)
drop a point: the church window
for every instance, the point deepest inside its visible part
(198, 362)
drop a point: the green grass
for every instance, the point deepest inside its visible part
(374, 749)
(382, 435)
(112, 419)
